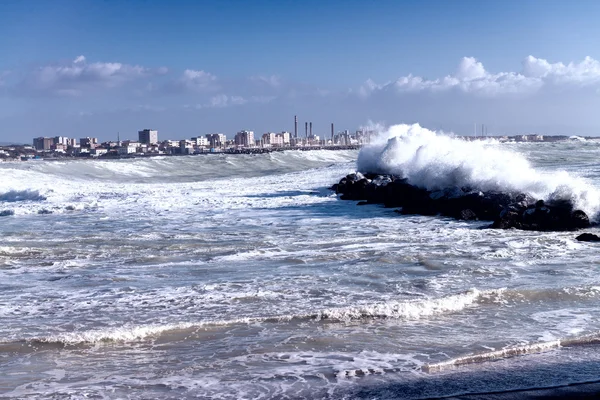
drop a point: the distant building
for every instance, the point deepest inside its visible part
(186, 147)
(216, 139)
(285, 137)
(43, 143)
(98, 151)
(88, 142)
(126, 149)
(244, 139)
(275, 139)
(148, 136)
(200, 141)
(268, 139)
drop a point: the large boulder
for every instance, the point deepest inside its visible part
(541, 216)
(353, 187)
(588, 237)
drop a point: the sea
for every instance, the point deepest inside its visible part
(239, 276)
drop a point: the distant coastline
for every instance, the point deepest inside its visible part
(23, 152)
(54, 156)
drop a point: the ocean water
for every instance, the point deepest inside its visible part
(244, 277)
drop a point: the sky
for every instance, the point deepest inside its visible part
(103, 68)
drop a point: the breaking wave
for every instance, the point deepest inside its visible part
(171, 169)
(436, 162)
(409, 310)
(21, 195)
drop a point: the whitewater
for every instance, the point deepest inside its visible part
(245, 277)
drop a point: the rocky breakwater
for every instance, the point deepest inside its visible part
(506, 210)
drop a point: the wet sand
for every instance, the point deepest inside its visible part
(582, 391)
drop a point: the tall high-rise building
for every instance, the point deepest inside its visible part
(295, 126)
(148, 136)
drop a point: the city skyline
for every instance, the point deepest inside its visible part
(78, 68)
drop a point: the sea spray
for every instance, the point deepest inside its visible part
(436, 161)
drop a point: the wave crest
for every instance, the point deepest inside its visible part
(409, 310)
(13, 196)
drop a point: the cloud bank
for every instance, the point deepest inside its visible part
(471, 77)
(78, 76)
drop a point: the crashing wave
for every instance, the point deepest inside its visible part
(436, 162)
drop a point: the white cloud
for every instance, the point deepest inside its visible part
(471, 77)
(72, 79)
(197, 80)
(261, 99)
(219, 101)
(470, 69)
(223, 100)
(272, 81)
(585, 72)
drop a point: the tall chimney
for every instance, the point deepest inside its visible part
(295, 126)
(311, 129)
(332, 133)
(306, 129)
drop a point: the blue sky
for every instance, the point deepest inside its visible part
(94, 68)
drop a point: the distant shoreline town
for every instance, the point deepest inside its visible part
(244, 142)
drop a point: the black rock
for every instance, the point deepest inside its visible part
(539, 203)
(468, 215)
(507, 210)
(509, 219)
(579, 219)
(588, 237)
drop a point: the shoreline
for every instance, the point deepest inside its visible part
(252, 151)
(580, 391)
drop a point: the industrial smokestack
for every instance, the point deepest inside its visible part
(332, 132)
(295, 126)
(311, 129)
(306, 129)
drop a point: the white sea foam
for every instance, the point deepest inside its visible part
(493, 355)
(408, 310)
(512, 351)
(168, 184)
(117, 334)
(435, 161)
